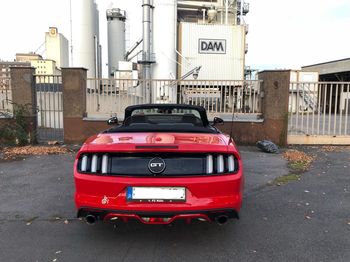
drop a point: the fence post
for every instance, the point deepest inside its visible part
(74, 103)
(275, 104)
(24, 94)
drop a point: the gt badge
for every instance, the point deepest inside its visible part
(156, 165)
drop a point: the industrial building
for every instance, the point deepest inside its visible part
(163, 39)
(338, 70)
(5, 67)
(56, 46)
(42, 66)
(335, 96)
(166, 39)
(85, 37)
(27, 57)
(299, 99)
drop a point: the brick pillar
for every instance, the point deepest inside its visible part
(275, 104)
(74, 103)
(24, 94)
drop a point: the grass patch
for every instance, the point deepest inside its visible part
(282, 180)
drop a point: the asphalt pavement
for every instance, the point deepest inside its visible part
(306, 220)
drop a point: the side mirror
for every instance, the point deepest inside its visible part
(218, 121)
(113, 121)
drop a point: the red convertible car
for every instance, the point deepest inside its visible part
(163, 163)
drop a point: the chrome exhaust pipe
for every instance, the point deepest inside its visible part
(222, 219)
(90, 219)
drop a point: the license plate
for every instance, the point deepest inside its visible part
(156, 194)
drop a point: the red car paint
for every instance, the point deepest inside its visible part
(205, 195)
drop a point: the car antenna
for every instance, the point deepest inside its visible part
(231, 128)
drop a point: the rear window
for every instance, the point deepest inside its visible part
(166, 111)
(164, 116)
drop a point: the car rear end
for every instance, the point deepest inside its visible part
(124, 181)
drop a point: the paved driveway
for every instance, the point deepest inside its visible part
(307, 220)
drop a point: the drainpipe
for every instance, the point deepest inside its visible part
(146, 55)
(226, 12)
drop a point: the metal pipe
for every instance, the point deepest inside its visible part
(71, 32)
(221, 219)
(146, 44)
(96, 55)
(226, 12)
(90, 219)
(129, 52)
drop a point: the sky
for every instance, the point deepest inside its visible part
(282, 34)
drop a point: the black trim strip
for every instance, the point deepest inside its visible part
(156, 147)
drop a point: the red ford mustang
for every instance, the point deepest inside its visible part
(163, 163)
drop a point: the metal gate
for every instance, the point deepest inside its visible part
(319, 113)
(49, 108)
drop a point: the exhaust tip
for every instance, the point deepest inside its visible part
(90, 219)
(221, 219)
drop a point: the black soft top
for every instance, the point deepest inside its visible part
(186, 123)
(200, 109)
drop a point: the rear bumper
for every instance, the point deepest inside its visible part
(157, 217)
(207, 197)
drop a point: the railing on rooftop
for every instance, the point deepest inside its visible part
(238, 100)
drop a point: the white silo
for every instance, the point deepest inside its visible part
(85, 38)
(164, 47)
(116, 38)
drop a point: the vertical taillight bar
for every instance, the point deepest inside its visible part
(94, 163)
(220, 163)
(209, 164)
(104, 167)
(84, 162)
(231, 163)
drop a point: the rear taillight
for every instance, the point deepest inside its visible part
(94, 163)
(219, 164)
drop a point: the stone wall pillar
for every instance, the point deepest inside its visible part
(24, 96)
(275, 101)
(74, 104)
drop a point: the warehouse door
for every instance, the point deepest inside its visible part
(319, 113)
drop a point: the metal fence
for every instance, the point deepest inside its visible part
(6, 105)
(49, 107)
(238, 99)
(319, 109)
